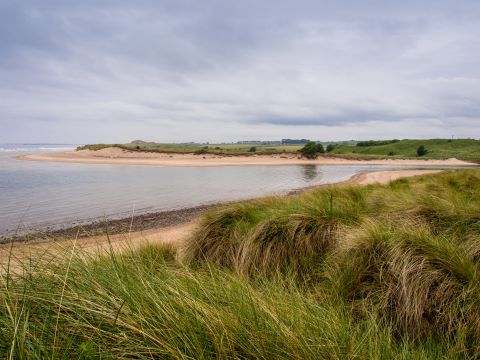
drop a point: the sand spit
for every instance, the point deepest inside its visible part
(117, 156)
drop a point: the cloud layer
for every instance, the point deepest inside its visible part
(221, 70)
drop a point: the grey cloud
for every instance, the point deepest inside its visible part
(185, 65)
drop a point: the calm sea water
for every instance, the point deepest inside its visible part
(34, 195)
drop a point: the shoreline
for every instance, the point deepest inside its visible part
(14, 252)
(160, 220)
(117, 156)
(99, 227)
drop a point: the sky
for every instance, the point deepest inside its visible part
(222, 70)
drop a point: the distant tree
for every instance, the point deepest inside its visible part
(320, 148)
(252, 149)
(310, 150)
(330, 147)
(421, 150)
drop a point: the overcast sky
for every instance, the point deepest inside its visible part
(227, 70)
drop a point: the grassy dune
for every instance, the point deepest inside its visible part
(385, 272)
(464, 149)
(228, 149)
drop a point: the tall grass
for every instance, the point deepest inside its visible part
(407, 252)
(142, 305)
(276, 234)
(385, 272)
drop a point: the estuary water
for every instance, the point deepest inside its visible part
(36, 195)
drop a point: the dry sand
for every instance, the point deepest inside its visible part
(384, 177)
(124, 157)
(171, 234)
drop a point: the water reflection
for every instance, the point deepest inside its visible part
(309, 172)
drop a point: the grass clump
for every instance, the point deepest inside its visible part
(425, 285)
(277, 234)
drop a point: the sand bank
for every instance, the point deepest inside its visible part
(384, 177)
(172, 234)
(124, 157)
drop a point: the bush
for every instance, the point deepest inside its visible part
(252, 149)
(421, 151)
(310, 149)
(320, 148)
(330, 147)
(200, 151)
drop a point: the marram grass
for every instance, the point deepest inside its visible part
(383, 272)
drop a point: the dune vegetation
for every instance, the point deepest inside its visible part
(341, 271)
(463, 149)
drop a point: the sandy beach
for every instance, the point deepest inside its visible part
(173, 234)
(124, 157)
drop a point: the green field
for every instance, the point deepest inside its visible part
(339, 272)
(464, 149)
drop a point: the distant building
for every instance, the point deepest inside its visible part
(294, 141)
(258, 142)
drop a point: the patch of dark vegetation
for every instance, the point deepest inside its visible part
(376, 142)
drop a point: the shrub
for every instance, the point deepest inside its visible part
(330, 147)
(320, 149)
(421, 151)
(310, 150)
(200, 151)
(252, 149)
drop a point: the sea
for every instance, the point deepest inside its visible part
(38, 195)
